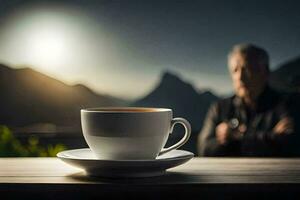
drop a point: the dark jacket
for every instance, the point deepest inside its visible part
(258, 140)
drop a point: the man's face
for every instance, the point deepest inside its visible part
(248, 77)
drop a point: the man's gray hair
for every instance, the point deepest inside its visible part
(252, 53)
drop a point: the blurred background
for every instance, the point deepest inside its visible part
(60, 56)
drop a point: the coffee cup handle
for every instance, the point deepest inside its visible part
(185, 138)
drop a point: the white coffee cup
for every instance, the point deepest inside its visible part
(130, 133)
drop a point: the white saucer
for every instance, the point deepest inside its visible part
(85, 159)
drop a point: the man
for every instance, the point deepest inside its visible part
(253, 122)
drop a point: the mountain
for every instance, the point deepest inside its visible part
(287, 76)
(29, 97)
(182, 97)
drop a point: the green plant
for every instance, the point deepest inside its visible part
(12, 147)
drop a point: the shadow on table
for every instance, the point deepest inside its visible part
(167, 178)
(182, 186)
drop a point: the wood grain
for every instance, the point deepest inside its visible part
(213, 178)
(198, 170)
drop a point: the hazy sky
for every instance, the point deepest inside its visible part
(122, 47)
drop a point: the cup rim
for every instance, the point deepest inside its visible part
(125, 110)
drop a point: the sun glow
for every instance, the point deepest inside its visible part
(47, 47)
(47, 39)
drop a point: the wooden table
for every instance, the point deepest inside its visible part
(200, 178)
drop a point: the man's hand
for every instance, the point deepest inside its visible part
(224, 133)
(284, 126)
